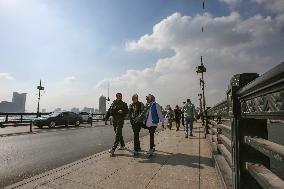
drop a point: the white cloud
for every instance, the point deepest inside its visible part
(6, 76)
(276, 6)
(229, 45)
(69, 79)
(230, 2)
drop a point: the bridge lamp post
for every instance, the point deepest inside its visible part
(200, 106)
(200, 70)
(39, 88)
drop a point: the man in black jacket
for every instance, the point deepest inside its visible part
(135, 109)
(118, 110)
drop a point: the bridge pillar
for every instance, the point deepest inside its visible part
(241, 127)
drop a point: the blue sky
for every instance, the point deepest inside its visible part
(75, 47)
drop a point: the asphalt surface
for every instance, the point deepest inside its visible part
(26, 155)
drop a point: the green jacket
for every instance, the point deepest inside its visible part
(189, 110)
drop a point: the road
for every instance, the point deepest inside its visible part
(26, 155)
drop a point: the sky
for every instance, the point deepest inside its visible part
(78, 48)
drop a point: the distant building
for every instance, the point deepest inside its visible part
(18, 103)
(102, 104)
(89, 110)
(97, 111)
(57, 110)
(43, 110)
(75, 110)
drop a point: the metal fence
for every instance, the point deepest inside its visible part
(241, 149)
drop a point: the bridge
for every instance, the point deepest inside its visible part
(232, 149)
(238, 130)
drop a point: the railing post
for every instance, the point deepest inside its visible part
(6, 119)
(31, 126)
(240, 128)
(91, 120)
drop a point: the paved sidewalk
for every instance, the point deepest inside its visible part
(174, 165)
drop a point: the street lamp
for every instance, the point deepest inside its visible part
(200, 106)
(201, 69)
(39, 88)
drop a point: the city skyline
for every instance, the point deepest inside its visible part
(17, 104)
(77, 54)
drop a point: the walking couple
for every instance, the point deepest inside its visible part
(140, 116)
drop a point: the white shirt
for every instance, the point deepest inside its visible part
(149, 122)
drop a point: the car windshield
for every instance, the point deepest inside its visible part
(54, 114)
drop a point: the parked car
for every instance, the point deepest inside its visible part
(58, 118)
(86, 117)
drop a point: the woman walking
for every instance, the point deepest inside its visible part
(170, 116)
(154, 116)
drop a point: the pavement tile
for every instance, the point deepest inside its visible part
(171, 183)
(44, 187)
(122, 183)
(67, 184)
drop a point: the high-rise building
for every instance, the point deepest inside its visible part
(17, 105)
(20, 101)
(102, 104)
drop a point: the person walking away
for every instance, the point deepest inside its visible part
(135, 109)
(118, 110)
(182, 116)
(154, 116)
(189, 113)
(178, 113)
(170, 117)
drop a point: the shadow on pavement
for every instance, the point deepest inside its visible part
(178, 159)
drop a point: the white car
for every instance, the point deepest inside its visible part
(86, 117)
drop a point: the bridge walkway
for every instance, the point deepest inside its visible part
(177, 163)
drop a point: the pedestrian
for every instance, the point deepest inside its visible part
(135, 109)
(118, 110)
(189, 114)
(182, 116)
(154, 116)
(178, 113)
(170, 116)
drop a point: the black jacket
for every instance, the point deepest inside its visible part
(118, 118)
(135, 109)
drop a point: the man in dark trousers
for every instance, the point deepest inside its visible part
(182, 116)
(118, 110)
(135, 109)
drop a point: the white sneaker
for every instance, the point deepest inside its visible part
(122, 148)
(111, 151)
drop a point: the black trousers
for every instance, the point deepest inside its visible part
(136, 130)
(118, 136)
(152, 136)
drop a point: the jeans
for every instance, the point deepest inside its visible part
(136, 129)
(188, 122)
(152, 134)
(118, 136)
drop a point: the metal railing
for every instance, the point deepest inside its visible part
(18, 119)
(241, 149)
